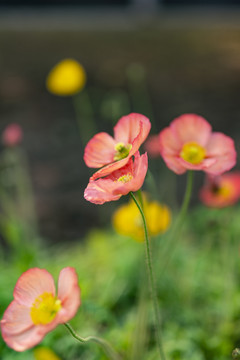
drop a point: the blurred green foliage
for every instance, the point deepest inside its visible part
(199, 291)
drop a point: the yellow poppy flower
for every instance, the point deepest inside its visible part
(67, 78)
(44, 353)
(127, 219)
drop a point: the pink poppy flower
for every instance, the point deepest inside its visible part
(12, 135)
(189, 144)
(221, 191)
(152, 146)
(120, 182)
(112, 153)
(36, 309)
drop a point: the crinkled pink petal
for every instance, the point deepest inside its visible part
(221, 148)
(108, 169)
(99, 151)
(140, 168)
(114, 170)
(128, 168)
(100, 191)
(191, 128)
(109, 188)
(137, 142)
(31, 284)
(68, 293)
(131, 126)
(131, 129)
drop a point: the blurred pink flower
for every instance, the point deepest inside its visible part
(189, 144)
(12, 135)
(221, 191)
(112, 153)
(36, 309)
(152, 146)
(120, 182)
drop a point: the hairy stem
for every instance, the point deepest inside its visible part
(103, 343)
(151, 280)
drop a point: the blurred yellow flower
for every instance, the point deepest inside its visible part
(68, 77)
(44, 353)
(127, 219)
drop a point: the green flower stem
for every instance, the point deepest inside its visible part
(140, 197)
(151, 280)
(176, 227)
(103, 343)
(84, 115)
(140, 334)
(187, 196)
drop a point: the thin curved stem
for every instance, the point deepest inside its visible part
(140, 197)
(103, 343)
(151, 280)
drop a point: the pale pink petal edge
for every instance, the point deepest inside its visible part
(131, 126)
(31, 284)
(99, 151)
(68, 293)
(191, 128)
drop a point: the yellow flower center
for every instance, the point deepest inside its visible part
(193, 153)
(224, 191)
(125, 178)
(45, 308)
(122, 151)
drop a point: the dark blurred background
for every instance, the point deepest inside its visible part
(115, 2)
(160, 58)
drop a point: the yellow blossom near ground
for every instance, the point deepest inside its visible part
(44, 353)
(127, 219)
(67, 78)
